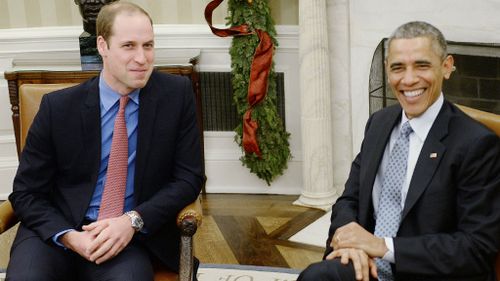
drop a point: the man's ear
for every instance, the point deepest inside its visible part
(102, 45)
(448, 66)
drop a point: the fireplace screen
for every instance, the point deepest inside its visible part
(219, 111)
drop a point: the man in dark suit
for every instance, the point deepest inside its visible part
(67, 230)
(442, 222)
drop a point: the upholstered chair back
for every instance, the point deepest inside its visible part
(30, 96)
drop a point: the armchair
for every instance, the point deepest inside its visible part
(492, 121)
(26, 89)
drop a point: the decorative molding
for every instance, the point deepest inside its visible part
(474, 49)
(8, 167)
(7, 139)
(58, 46)
(8, 163)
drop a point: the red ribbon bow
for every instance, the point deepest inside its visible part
(259, 72)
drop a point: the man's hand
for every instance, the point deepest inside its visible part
(78, 241)
(363, 264)
(112, 236)
(352, 235)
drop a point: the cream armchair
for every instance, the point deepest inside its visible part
(491, 121)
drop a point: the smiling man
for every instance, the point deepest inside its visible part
(422, 198)
(107, 165)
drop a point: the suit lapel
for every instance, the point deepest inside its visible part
(376, 147)
(428, 161)
(147, 115)
(91, 126)
(384, 132)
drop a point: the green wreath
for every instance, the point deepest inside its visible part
(271, 135)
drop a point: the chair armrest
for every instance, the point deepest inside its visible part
(188, 221)
(497, 267)
(7, 217)
(190, 218)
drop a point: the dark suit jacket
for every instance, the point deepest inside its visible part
(450, 228)
(58, 168)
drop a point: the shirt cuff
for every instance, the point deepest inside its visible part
(56, 237)
(389, 255)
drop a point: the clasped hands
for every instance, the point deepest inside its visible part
(100, 240)
(352, 242)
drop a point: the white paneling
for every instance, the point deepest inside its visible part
(170, 11)
(47, 8)
(162, 11)
(197, 11)
(17, 12)
(76, 17)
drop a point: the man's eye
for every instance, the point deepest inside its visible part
(423, 66)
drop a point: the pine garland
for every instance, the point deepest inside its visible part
(272, 137)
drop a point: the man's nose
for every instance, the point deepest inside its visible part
(140, 56)
(410, 77)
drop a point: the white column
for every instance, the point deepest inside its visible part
(340, 63)
(316, 112)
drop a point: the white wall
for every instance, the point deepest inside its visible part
(57, 48)
(370, 21)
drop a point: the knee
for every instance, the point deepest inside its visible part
(314, 272)
(27, 270)
(328, 270)
(34, 260)
(32, 271)
(26, 275)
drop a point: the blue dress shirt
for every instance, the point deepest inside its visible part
(109, 108)
(109, 103)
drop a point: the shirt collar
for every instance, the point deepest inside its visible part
(109, 97)
(422, 124)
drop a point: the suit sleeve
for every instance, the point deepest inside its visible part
(470, 249)
(34, 182)
(345, 209)
(186, 180)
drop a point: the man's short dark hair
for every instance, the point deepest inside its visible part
(108, 13)
(421, 29)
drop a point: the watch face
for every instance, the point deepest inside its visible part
(137, 222)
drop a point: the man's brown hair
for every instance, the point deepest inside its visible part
(108, 13)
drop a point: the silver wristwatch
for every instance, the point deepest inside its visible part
(137, 222)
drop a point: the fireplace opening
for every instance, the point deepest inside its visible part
(474, 83)
(219, 110)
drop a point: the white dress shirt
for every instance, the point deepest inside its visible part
(421, 126)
